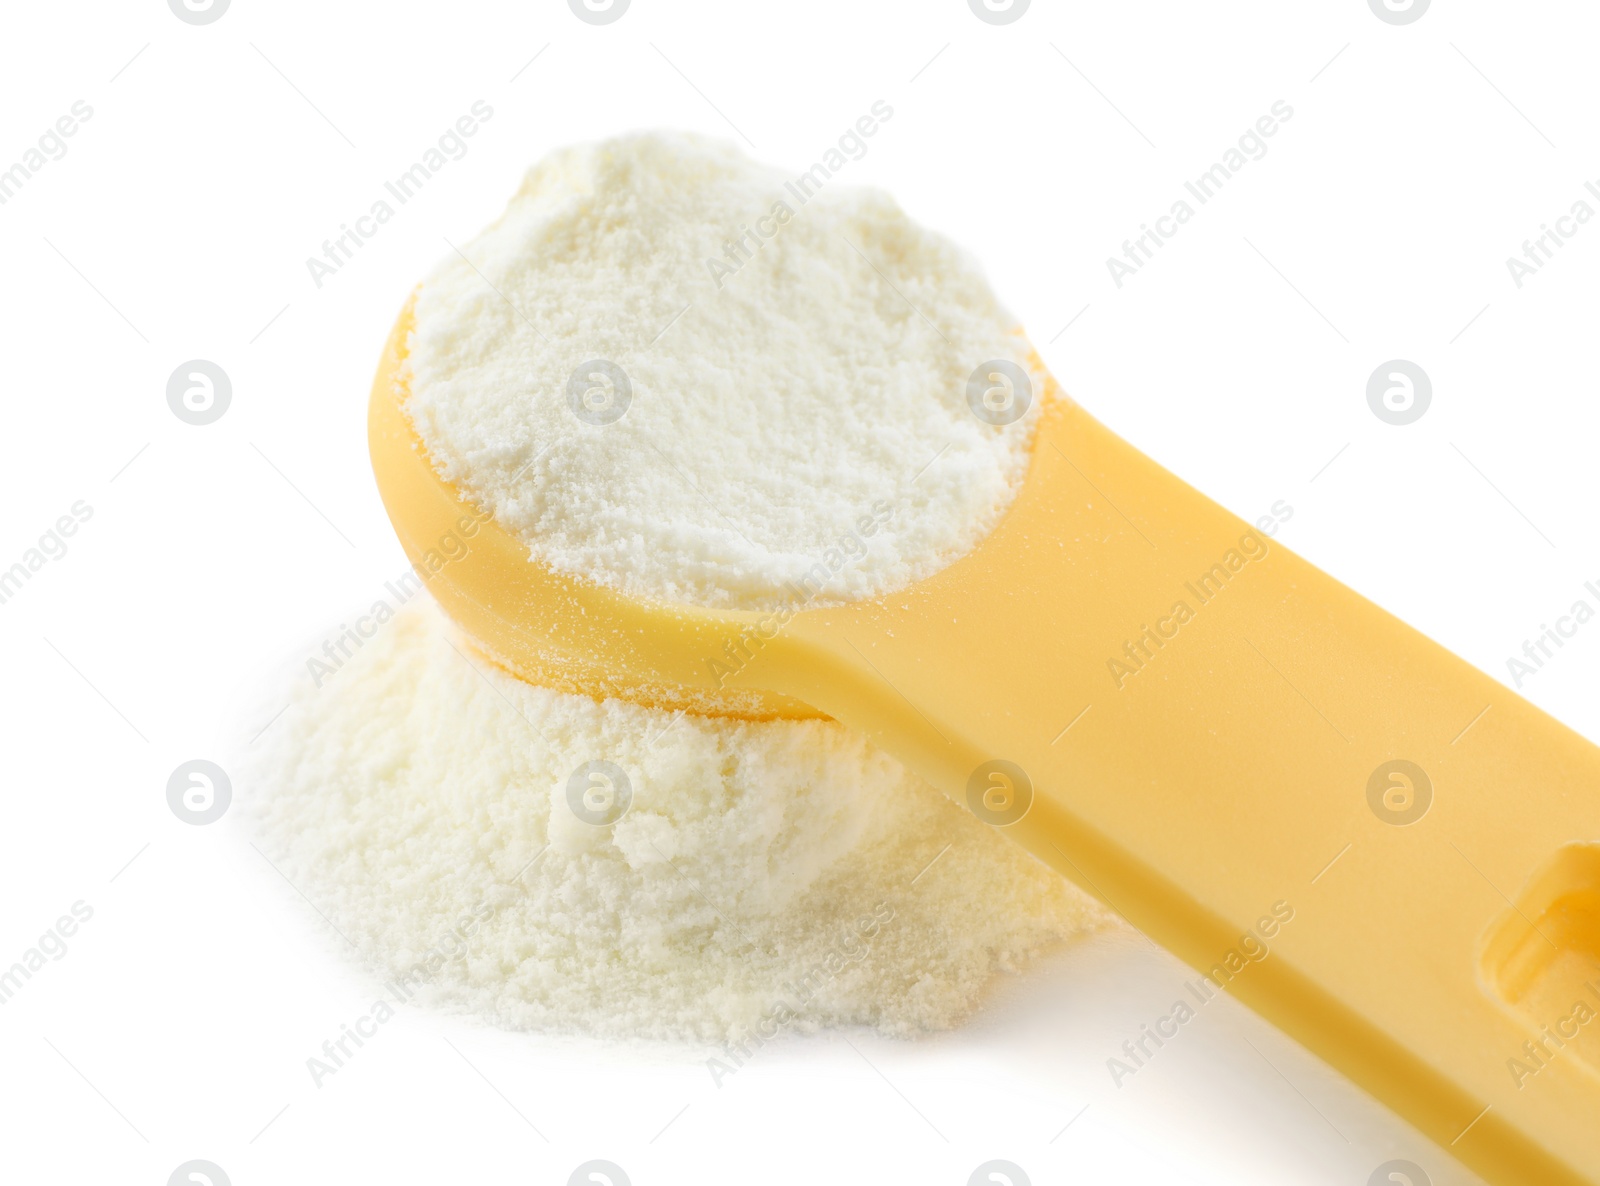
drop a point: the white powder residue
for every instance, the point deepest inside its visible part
(763, 870)
(780, 400)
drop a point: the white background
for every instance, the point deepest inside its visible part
(219, 158)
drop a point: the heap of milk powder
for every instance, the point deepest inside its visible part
(695, 433)
(763, 412)
(764, 875)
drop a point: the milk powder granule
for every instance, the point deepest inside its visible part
(787, 360)
(765, 877)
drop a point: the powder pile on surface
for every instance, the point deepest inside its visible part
(765, 875)
(792, 356)
(671, 372)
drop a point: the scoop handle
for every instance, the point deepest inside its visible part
(1377, 847)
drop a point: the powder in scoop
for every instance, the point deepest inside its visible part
(790, 357)
(764, 875)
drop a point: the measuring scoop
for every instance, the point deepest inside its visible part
(1381, 850)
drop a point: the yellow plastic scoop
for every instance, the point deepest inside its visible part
(1380, 849)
